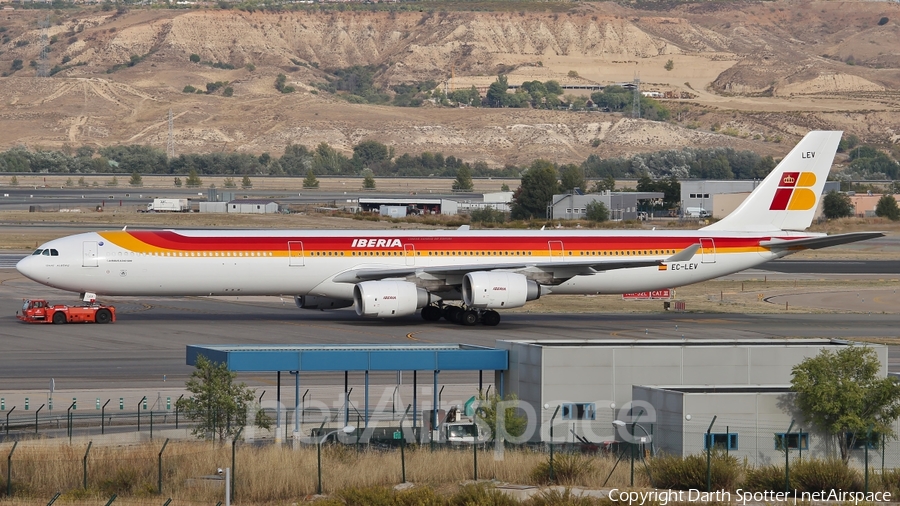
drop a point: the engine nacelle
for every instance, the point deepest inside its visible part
(315, 302)
(388, 299)
(497, 290)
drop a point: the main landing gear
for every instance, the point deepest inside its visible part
(461, 315)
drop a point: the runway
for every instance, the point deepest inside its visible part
(148, 341)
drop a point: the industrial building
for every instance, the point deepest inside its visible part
(671, 389)
(720, 198)
(412, 205)
(621, 205)
(253, 206)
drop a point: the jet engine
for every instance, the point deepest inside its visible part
(315, 302)
(388, 299)
(496, 290)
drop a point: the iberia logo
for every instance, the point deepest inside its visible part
(794, 192)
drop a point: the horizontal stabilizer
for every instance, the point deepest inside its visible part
(818, 242)
(685, 254)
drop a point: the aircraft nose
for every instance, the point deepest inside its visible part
(28, 267)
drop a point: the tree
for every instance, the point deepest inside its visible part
(606, 184)
(178, 182)
(571, 176)
(229, 183)
(368, 180)
(887, 208)
(669, 65)
(310, 181)
(113, 182)
(836, 205)
(496, 93)
(218, 405)
(81, 181)
(843, 394)
(596, 211)
(136, 179)
(193, 180)
(246, 183)
(514, 421)
(195, 58)
(14, 181)
(463, 179)
(537, 189)
(504, 187)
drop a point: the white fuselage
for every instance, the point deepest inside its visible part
(274, 262)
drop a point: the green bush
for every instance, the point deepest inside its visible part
(195, 58)
(690, 472)
(765, 478)
(568, 469)
(813, 475)
(189, 89)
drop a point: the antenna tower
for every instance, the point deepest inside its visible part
(170, 144)
(636, 103)
(43, 66)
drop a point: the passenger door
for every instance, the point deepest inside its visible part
(295, 254)
(89, 258)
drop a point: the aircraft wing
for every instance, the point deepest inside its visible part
(818, 242)
(561, 269)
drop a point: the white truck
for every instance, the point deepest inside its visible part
(696, 212)
(169, 206)
(458, 430)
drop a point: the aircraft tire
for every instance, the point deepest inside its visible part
(469, 318)
(59, 317)
(103, 316)
(490, 318)
(431, 313)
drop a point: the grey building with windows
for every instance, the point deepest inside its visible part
(671, 389)
(621, 205)
(706, 194)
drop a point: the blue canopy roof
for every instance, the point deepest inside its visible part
(352, 357)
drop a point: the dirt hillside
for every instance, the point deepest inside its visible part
(762, 72)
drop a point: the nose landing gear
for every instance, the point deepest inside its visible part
(461, 315)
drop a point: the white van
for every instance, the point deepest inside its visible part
(696, 212)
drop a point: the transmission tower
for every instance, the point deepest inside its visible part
(170, 144)
(636, 103)
(43, 66)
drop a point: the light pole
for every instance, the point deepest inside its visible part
(787, 453)
(620, 423)
(547, 406)
(709, 454)
(346, 430)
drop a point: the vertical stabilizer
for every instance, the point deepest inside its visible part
(787, 198)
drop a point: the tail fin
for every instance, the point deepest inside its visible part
(788, 197)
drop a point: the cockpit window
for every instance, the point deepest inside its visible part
(38, 252)
(54, 253)
(46, 253)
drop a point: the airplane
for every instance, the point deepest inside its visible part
(389, 274)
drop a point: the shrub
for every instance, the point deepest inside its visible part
(690, 472)
(568, 469)
(813, 475)
(766, 478)
(229, 91)
(195, 58)
(189, 89)
(883, 21)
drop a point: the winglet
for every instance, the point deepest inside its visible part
(788, 197)
(685, 254)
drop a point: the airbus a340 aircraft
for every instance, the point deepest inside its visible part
(391, 274)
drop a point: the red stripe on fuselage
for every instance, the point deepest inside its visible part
(175, 241)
